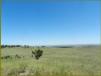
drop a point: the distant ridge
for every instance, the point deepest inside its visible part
(73, 46)
(55, 46)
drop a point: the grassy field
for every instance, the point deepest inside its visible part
(54, 62)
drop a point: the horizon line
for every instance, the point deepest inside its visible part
(52, 44)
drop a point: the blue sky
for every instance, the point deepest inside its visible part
(50, 23)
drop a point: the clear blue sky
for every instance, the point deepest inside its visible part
(50, 23)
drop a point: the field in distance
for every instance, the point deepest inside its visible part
(77, 61)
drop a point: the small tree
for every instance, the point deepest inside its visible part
(37, 53)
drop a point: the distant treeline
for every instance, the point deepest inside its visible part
(28, 46)
(23, 46)
(10, 46)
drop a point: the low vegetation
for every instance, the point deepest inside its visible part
(79, 61)
(37, 53)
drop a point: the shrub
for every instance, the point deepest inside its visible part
(37, 53)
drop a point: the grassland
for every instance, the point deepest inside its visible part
(83, 61)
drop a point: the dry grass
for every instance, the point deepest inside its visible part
(54, 62)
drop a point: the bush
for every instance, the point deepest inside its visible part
(37, 53)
